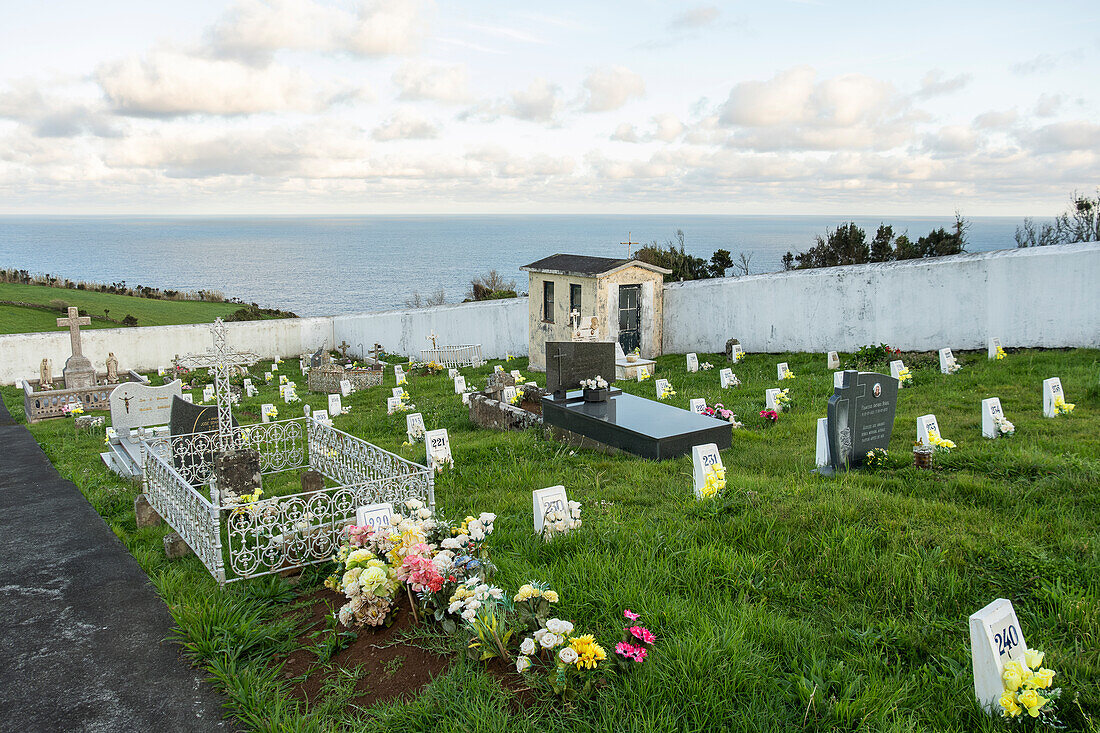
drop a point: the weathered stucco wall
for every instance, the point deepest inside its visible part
(1045, 296)
(561, 329)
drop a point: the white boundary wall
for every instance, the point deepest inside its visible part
(1042, 296)
(500, 326)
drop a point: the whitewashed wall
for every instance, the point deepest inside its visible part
(148, 348)
(1046, 296)
(500, 326)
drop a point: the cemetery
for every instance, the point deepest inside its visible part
(797, 570)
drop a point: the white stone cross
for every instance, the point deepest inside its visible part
(74, 322)
(220, 359)
(432, 339)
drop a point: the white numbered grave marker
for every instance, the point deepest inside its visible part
(697, 405)
(274, 368)
(498, 369)
(703, 457)
(661, 385)
(460, 384)
(991, 410)
(516, 374)
(345, 387)
(822, 457)
(995, 640)
(925, 425)
(397, 392)
(895, 368)
(781, 369)
(508, 394)
(727, 378)
(769, 399)
(838, 379)
(552, 499)
(452, 373)
(401, 377)
(289, 395)
(282, 391)
(642, 373)
(398, 373)
(187, 397)
(947, 360)
(414, 426)
(991, 350)
(248, 383)
(392, 405)
(465, 398)
(374, 516)
(207, 393)
(265, 411)
(334, 405)
(1052, 390)
(737, 349)
(321, 416)
(438, 446)
(834, 360)
(692, 363)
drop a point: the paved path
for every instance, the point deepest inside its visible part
(82, 631)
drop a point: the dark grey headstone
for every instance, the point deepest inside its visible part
(237, 471)
(729, 348)
(187, 418)
(568, 363)
(860, 417)
(317, 359)
(312, 481)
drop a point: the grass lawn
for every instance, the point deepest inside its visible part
(791, 601)
(148, 312)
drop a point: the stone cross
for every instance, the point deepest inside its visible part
(74, 322)
(376, 351)
(344, 346)
(575, 317)
(220, 359)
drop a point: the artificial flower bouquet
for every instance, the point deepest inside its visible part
(271, 412)
(597, 383)
(560, 522)
(1003, 426)
(720, 412)
(644, 375)
(440, 462)
(787, 374)
(939, 443)
(738, 356)
(636, 645)
(713, 483)
(1061, 407)
(770, 415)
(904, 376)
(433, 367)
(576, 659)
(876, 458)
(668, 393)
(783, 400)
(1000, 354)
(706, 366)
(1027, 691)
(72, 409)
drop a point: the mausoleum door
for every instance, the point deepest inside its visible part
(630, 317)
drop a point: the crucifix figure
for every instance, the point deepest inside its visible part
(219, 360)
(74, 322)
(628, 244)
(432, 339)
(344, 346)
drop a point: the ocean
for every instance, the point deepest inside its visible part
(334, 265)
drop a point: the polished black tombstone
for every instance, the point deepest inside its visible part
(568, 363)
(187, 419)
(645, 428)
(860, 417)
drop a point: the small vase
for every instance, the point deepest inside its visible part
(595, 395)
(922, 459)
(632, 358)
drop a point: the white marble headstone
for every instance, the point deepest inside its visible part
(726, 377)
(692, 363)
(703, 457)
(207, 393)
(1052, 390)
(552, 498)
(460, 384)
(661, 385)
(947, 360)
(925, 425)
(822, 457)
(508, 394)
(996, 638)
(641, 373)
(991, 349)
(345, 387)
(991, 409)
(187, 397)
(437, 445)
(322, 417)
(334, 405)
(374, 516)
(834, 360)
(697, 405)
(397, 392)
(392, 404)
(838, 379)
(516, 375)
(414, 424)
(781, 369)
(769, 399)
(136, 405)
(452, 373)
(264, 409)
(895, 367)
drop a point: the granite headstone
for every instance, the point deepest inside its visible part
(861, 417)
(568, 363)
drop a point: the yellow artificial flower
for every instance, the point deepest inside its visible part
(1008, 702)
(1000, 353)
(588, 652)
(1042, 678)
(1033, 658)
(525, 592)
(1032, 700)
(550, 595)
(1013, 676)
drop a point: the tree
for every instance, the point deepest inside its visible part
(788, 261)
(882, 246)
(674, 257)
(1029, 235)
(845, 245)
(720, 261)
(491, 287)
(742, 266)
(416, 301)
(1082, 222)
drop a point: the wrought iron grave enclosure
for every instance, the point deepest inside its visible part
(280, 531)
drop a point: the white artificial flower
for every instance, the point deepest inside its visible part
(469, 614)
(574, 506)
(559, 627)
(451, 543)
(568, 655)
(496, 593)
(487, 518)
(522, 664)
(549, 640)
(482, 589)
(539, 634)
(453, 608)
(473, 604)
(413, 504)
(424, 512)
(528, 646)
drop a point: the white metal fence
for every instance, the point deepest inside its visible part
(281, 531)
(454, 356)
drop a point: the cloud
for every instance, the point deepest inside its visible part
(50, 115)
(170, 83)
(1042, 63)
(952, 139)
(1048, 105)
(255, 29)
(540, 102)
(794, 97)
(626, 133)
(666, 128)
(612, 87)
(1065, 137)
(405, 125)
(697, 17)
(419, 80)
(993, 119)
(935, 83)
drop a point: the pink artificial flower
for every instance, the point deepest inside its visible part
(358, 536)
(630, 651)
(631, 615)
(642, 633)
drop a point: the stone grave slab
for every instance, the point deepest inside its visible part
(134, 406)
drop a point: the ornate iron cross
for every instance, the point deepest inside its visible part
(220, 359)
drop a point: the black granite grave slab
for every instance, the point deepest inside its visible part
(568, 363)
(860, 417)
(645, 428)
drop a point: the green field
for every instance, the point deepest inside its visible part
(789, 602)
(149, 312)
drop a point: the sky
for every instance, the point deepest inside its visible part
(314, 107)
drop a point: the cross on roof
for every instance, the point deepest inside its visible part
(628, 243)
(74, 322)
(220, 359)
